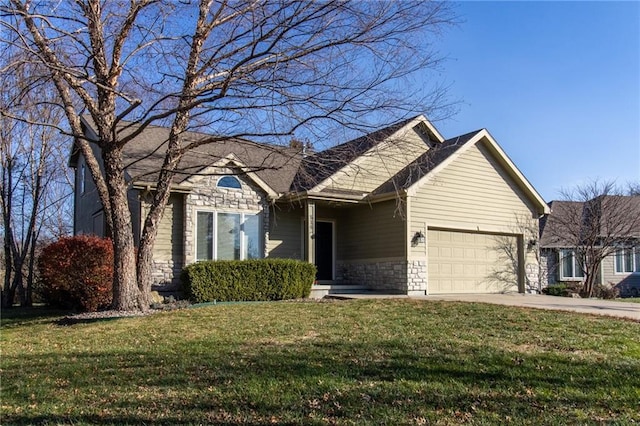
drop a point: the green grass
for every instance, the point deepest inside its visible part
(353, 362)
(629, 299)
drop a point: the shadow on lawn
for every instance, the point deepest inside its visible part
(332, 380)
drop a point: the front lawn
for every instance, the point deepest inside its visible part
(629, 299)
(349, 362)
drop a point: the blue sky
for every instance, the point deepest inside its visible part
(557, 84)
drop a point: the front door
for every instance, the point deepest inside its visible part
(324, 250)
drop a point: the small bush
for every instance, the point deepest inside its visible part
(605, 291)
(244, 280)
(77, 273)
(559, 289)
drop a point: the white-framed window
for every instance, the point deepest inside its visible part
(228, 235)
(627, 260)
(570, 268)
(231, 182)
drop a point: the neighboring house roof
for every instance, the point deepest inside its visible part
(551, 234)
(274, 165)
(616, 213)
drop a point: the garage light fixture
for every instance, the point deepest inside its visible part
(418, 238)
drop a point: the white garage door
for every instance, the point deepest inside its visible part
(463, 262)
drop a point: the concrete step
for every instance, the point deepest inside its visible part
(319, 291)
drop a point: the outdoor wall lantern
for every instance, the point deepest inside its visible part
(418, 238)
(531, 244)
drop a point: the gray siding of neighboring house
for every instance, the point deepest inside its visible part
(628, 284)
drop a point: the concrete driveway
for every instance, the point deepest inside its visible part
(537, 301)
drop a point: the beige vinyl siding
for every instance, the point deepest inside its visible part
(379, 164)
(607, 271)
(285, 232)
(372, 232)
(472, 193)
(169, 244)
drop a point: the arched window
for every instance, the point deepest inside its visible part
(229, 182)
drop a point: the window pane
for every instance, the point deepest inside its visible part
(577, 272)
(204, 236)
(252, 237)
(619, 260)
(566, 263)
(637, 258)
(229, 182)
(628, 260)
(228, 236)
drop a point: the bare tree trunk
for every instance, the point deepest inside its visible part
(126, 295)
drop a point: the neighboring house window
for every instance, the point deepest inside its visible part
(627, 260)
(227, 236)
(570, 266)
(229, 182)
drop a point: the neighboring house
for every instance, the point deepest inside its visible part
(401, 210)
(616, 229)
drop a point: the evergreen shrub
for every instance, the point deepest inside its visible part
(247, 280)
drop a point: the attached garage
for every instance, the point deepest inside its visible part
(466, 262)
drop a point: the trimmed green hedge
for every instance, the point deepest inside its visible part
(244, 280)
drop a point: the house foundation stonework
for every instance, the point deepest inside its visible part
(393, 276)
(165, 275)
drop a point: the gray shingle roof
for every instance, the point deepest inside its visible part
(144, 156)
(615, 209)
(321, 165)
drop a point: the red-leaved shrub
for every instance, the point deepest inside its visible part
(77, 273)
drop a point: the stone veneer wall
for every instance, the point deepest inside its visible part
(548, 267)
(393, 276)
(207, 196)
(165, 276)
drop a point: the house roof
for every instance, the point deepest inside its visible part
(617, 213)
(275, 165)
(285, 169)
(320, 166)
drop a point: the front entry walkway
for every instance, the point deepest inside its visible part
(536, 301)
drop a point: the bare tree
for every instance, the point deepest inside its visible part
(505, 273)
(595, 220)
(33, 188)
(258, 69)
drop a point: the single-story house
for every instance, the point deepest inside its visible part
(617, 226)
(401, 210)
